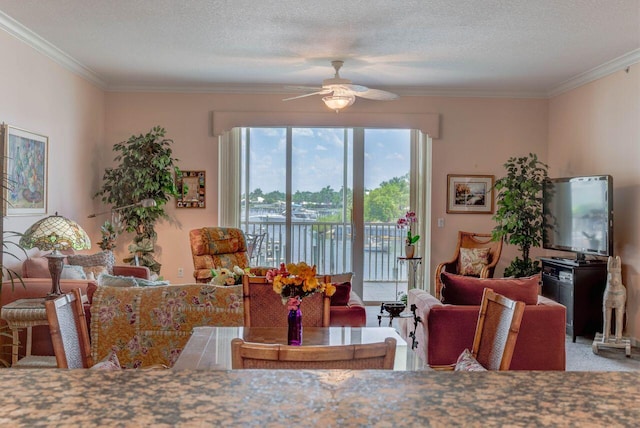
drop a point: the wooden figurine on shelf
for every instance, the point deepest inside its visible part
(615, 297)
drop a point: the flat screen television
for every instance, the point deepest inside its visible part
(578, 215)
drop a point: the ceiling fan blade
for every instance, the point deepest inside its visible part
(303, 88)
(378, 95)
(323, 92)
(356, 88)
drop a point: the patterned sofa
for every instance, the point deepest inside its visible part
(151, 325)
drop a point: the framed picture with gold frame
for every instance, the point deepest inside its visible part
(470, 194)
(25, 171)
(192, 189)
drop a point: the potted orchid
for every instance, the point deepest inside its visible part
(406, 222)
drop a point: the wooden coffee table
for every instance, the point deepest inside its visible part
(209, 348)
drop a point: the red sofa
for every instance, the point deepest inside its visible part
(353, 314)
(447, 329)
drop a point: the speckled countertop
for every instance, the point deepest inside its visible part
(165, 398)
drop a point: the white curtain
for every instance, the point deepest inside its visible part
(229, 178)
(421, 199)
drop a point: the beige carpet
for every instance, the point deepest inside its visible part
(580, 356)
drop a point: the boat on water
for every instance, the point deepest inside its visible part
(297, 215)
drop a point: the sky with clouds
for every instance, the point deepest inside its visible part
(318, 157)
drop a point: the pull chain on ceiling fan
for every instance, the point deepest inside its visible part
(341, 93)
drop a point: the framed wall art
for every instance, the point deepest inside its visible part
(25, 167)
(192, 189)
(471, 194)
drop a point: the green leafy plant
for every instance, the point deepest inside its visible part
(10, 246)
(146, 171)
(519, 210)
(9, 249)
(109, 236)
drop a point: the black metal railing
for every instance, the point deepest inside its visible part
(328, 246)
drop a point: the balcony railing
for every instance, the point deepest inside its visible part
(328, 246)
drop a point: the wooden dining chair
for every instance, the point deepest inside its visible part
(497, 330)
(69, 333)
(263, 307)
(247, 355)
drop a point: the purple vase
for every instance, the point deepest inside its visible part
(295, 327)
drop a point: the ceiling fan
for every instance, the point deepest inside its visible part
(340, 93)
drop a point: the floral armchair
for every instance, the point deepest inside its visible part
(215, 247)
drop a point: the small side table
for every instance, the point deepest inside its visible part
(26, 313)
(412, 269)
(384, 314)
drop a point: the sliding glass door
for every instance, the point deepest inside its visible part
(330, 197)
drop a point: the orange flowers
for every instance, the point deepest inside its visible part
(297, 280)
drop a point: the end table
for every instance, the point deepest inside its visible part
(26, 313)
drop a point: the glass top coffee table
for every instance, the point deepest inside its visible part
(209, 348)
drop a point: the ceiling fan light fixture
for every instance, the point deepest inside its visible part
(338, 102)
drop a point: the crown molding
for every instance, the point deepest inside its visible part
(596, 73)
(27, 36)
(265, 89)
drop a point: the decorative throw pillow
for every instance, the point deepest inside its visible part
(110, 362)
(472, 260)
(72, 272)
(116, 281)
(148, 283)
(342, 294)
(466, 363)
(94, 271)
(467, 290)
(103, 258)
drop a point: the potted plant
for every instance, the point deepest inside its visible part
(519, 210)
(407, 221)
(146, 170)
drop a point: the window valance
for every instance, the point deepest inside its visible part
(427, 123)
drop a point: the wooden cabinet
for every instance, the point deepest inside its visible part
(579, 287)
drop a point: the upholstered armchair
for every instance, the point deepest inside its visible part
(476, 255)
(216, 247)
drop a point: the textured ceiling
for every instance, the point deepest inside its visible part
(484, 46)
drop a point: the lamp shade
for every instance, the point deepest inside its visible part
(338, 102)
(55, 233)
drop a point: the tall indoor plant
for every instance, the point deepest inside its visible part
(519, 210)
(146, 170)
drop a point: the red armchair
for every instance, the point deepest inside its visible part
(447, 329)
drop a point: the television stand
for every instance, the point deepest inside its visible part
(580, 288)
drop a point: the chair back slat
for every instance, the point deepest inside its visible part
(497, 330)
(69, 332)
(263, 307)
(247, 355)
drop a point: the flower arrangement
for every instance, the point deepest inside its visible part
(295, 281)
(225, 276)
(405, 222)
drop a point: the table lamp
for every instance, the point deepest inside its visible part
(55, 233)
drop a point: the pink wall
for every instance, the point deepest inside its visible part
(590, 130)
(477, 136)
(595, 129)
(41, 96)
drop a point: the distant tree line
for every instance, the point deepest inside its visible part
(386, 203)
